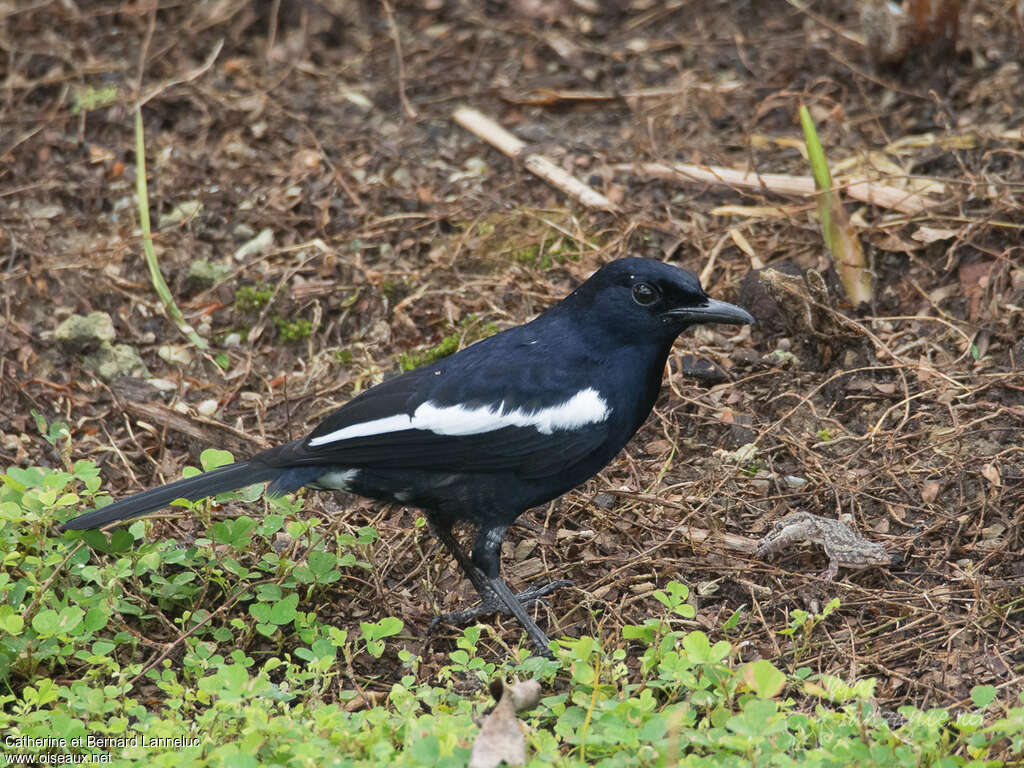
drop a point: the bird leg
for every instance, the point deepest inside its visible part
(495, 596)
(527, 598)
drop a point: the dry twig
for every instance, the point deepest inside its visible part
(488, 130)
(865, 190)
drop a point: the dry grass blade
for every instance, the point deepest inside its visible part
(159, 284)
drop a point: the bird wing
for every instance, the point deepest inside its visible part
(524, 418)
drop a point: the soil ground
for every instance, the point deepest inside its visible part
(391, 228)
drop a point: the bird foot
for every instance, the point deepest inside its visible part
(491, 604)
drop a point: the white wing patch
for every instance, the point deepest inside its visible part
(585, 407)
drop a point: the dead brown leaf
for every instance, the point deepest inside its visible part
(501, 737)
(929, 492)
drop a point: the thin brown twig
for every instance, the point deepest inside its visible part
(188, 77)
(180, 639)
(409, 111)
(482, 126)
(144, 48)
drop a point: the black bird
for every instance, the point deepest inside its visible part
(506, 424)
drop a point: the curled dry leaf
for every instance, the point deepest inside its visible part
(991, 473)
(929, 492)
(501, 737)
(928, 235)
(850, 261)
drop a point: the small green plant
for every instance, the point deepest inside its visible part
(449, 345)
(249, 299)
(469, 332)
(465, 661)
(840, 235)
(260, 677)
(375, 632)
(86, 98)
(395, 290)
(292, 331)
(57, 434)
(552, 248)
(802, 625)
(753, 468)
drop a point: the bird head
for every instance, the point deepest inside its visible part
(654, 299)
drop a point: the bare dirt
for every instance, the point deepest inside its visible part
(393, 228)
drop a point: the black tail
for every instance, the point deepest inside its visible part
(227, 478)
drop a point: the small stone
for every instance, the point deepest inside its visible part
(112, 361)
(182, 212)
(162, 385)
(207, 407)
(358, 99)
(742, 455)
(81, 333)
(243, 231)
(779, 357)
(260, 244)
(206, 273)
(41, 211)
(524, 549)
(176, 354)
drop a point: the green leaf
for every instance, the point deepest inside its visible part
(48, 622)
(271, 524)
(426, 751)
(45, 622)
(373, 633)
(389, 626)
(283, 611)
(95, 619)
(983, 695)
(40, 421)
(763, 678)
(321, 562)
(759, 719)
(734, 620)
(121, 540)
(12, 624)
(697, 646)
(212, 458)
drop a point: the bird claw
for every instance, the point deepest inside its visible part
(491, 605)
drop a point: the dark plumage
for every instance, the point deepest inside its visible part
(506, 424)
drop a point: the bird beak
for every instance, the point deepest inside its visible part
(713, 311)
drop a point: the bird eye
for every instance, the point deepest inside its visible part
(645, 294)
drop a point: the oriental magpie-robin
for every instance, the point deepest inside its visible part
(506, 424)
